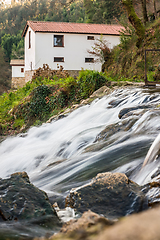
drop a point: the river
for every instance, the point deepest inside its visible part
(112, 133)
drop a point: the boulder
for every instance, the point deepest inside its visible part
(87, 220)
(125, 111)
(140, 226)
(21, 200)
(87, 226)
(110, 194)
(144, 225)
(152, 190)
(111, 129)
(100, 92)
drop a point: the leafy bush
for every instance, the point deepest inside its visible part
(89, 81)
(39, 104)
(38, 100)
(18, 123)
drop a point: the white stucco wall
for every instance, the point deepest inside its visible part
(74, 50)
(29, 52)
(16, 71)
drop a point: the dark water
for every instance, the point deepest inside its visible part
(113, 133)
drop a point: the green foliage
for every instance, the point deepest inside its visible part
(12, 43)
(5, 73)
(18, 123)
(18, 50)
(135, 21)
(39, 104)
(14, 17)
(128, 60)
(42, 98)
(150, 76)
(127, 36)
(102, 11)
(89, 81)
(101, 52)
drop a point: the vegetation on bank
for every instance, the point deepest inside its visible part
(42, 98)
(126, 60)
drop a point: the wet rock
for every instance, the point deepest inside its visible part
(156, 173)
(88, 219)
(100, 92)
(144, 225)
(152, 190)
(110, 194)
(90, 224)
(140, 226)
(125, 111)
(125, 125)
(21, 200)
(115, 102)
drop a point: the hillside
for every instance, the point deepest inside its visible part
(37, 101)
(129, 61)
(44, 97)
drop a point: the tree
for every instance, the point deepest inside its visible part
(155, 8)
(7, 42)
(144, 11)
(12, 42)
(18, 50)
(5, 73)
(135, 21)
(103, 11)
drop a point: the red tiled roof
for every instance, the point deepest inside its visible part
(65, 27)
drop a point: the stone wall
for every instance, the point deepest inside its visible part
(28, 75)
(18, 82)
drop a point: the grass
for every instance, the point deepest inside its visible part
(42, 98)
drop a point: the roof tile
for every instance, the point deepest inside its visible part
(65, 27)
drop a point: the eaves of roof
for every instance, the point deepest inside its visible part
(76, 28)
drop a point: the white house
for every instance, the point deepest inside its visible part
(65, 44)
(18, 75)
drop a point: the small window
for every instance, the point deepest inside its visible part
(22, 70)
(90, 37)
(58, 41)
(89, 60)
(58, 59)
(29, 39)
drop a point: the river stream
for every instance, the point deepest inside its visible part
(112, 133)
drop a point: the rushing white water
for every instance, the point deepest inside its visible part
(63, 154)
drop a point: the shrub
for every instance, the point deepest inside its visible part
(39, 104)
(89, 81)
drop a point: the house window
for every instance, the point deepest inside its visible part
(22, 70)
(29, 39)
(58, 59)
(58, 41)
(89, 60)
(90, 37)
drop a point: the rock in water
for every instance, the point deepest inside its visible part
(21, 200)
(110, 194)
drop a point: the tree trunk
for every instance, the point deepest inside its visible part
(155, 9)
(135, 21)
(144, 11)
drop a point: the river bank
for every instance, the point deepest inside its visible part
(69, 152)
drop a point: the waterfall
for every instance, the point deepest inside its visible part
(112, 133)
